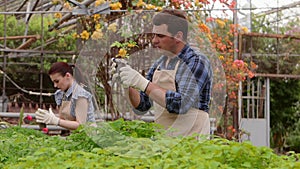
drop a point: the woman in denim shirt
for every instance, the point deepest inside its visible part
(75, 103)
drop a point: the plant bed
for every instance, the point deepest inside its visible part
(131, 144)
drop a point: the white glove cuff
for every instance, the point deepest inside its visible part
(144, 85)
(58, 121)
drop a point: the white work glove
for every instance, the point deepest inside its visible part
(115, 67)
(132, 78)
(114, 73)
(45, 116)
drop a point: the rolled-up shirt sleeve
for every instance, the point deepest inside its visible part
(173, 101)
(144, 106)
(145, 102)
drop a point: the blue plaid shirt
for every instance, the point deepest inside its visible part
(193, 83)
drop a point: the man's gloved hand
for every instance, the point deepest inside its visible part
(45, 116)
(116, 65)
(133, 78)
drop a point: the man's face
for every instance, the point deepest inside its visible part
(163, 39)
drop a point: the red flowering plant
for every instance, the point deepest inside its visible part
(45, 130)
(221, 33)
(27, 119)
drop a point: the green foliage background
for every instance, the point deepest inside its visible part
(284, 93)
(25, 70)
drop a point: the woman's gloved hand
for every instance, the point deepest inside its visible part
(47, 117)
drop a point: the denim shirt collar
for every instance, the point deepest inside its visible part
(71, 89)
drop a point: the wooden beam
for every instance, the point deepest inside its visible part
(274, 10)
(20, 37)
(27, 43)
(68, 16)
(277, 75)
(38, 51)
(281, 36)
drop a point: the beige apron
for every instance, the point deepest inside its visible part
(194, 121)
(65, 108)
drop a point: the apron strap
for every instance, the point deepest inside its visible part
(176, 66)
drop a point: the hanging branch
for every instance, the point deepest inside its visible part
(68, 16)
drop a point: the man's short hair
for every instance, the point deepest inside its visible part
(174, 19)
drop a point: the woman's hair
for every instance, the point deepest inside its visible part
(63, 68)
(174, 19)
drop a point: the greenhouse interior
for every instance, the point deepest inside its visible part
(254, 107)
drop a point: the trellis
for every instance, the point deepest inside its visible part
(254, 99)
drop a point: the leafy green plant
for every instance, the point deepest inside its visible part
(27, 148)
